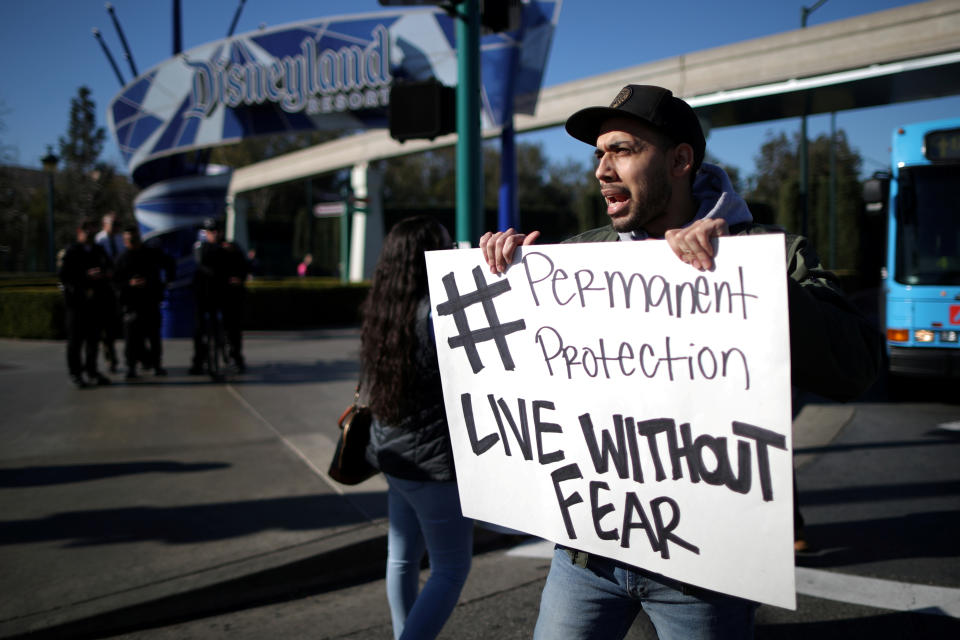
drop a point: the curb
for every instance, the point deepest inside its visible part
(323, 566)
(356, 562)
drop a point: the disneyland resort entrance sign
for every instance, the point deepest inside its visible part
(314, 81)
(324, 74)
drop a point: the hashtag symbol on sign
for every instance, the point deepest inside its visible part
(467, 338)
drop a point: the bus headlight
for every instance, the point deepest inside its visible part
(924, 335)
(948, 336)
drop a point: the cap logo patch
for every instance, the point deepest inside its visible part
(622, 97)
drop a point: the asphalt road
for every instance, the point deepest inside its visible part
(881, 505)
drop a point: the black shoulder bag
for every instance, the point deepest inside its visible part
(349, 464)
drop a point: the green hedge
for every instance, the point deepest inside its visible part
(303, 303)
(28, 280)
(31, 312)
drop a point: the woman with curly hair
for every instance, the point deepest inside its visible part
(409, 440)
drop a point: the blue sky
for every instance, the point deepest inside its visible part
(48, 51)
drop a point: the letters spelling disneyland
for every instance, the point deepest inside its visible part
(319, 82)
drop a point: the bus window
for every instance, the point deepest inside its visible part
(928, 240)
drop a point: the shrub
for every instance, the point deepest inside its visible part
(302, 303)
(32, 312)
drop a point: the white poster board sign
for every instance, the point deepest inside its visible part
(615, 400)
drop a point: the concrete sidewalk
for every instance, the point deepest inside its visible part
(165, 499)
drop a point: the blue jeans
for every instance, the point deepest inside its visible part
(425, 516)
(602, 600)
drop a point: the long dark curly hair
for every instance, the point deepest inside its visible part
(389, 343)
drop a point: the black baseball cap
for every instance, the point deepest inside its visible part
(651, 105)
(210, 224)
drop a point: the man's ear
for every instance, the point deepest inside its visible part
(682, 160)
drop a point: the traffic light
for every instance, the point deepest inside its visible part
(495, 15)
(500, 15)
(423, 109)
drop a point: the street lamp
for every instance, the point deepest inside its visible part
(804, 167)
(50, 167)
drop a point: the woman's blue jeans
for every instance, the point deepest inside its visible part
(601, 601)
(425, 516)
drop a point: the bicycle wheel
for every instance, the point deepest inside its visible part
(215, 347)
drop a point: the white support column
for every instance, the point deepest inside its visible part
(236, 222)
(230, 221)
(366, 236)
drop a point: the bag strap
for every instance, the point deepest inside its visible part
(352, 408)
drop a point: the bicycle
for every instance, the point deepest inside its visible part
(218, 357)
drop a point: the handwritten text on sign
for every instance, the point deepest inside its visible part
(615, 400)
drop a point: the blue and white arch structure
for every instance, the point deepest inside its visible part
(324, 74)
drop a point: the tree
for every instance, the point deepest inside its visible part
(81, 147)
(732, 172)
(85, 186)
(14, 221)
(425, 179)
(777, 184)
(557, 199)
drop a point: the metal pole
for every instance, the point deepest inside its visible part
(804, 168)
(508, 215)
(345, 218)
(469, 158)
(51, 245)
(833, 190)
(310, 218)
(123, 40)
(804, 174)
(177, 29)
(106, 51)
(236, 17)
(508, 179)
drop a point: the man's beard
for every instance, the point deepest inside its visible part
(646, 206)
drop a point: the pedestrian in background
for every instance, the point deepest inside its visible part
(85, 276)
(141, 275)
(219, 288)
(236, 270)
(254, 264)
(110, 239)
(409, 440)
(209, 282)
(304, 268)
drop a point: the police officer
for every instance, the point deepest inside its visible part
(236, 270)
(85, 275)
(110, 239)
(141, 275)
(218, 283)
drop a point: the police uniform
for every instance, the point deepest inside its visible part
(141, 304)
(222, 270)
(88, 299)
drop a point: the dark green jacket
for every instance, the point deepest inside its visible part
(834, 351)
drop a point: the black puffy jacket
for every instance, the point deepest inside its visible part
(418, 448)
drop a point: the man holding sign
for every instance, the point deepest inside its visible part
(650, 149)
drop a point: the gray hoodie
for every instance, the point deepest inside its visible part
(713, 190)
